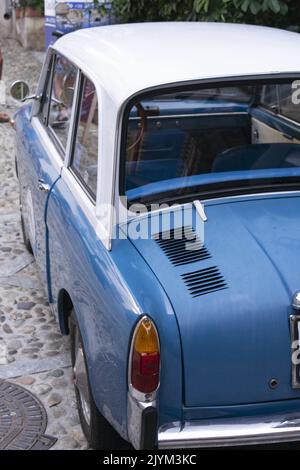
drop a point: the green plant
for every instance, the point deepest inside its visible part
(37, 4)
(275, 12)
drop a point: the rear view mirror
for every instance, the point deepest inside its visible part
(19, 90)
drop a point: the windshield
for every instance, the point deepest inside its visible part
(186, 141)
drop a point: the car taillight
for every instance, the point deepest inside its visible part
(145, 357)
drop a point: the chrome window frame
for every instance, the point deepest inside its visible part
(43, 116)
(57, 155)
(63, 152)
(76, 112)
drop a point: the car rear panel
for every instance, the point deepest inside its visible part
(233, 303)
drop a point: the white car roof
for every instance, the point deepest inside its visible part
(131, 57)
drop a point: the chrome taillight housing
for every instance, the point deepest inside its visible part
(144, 366)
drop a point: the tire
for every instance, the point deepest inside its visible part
(97, 430)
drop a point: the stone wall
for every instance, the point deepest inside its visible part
(26, 25)
(6, 26)
(30, 30)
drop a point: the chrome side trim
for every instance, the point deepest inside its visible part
(230, 432)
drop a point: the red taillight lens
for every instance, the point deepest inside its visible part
(145, 360)
(145, 372)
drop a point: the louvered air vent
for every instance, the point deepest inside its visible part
(182, 246)
(204, 281)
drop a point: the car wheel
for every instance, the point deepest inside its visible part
(97, 430)
(24, 233)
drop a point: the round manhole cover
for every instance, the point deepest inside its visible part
(23, 419)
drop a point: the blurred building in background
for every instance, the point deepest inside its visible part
(6, 24)
(62, 16)
(37, 31)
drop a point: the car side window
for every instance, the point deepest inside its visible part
(85, 154)
(269, 97)
(62, 96)
(288, 108)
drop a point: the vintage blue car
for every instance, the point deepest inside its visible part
(159, 170)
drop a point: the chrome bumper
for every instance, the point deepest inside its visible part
(230, 432)
(142, 423)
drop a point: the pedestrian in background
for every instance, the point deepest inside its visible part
(3, 116)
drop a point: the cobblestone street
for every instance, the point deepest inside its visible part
(32, 351)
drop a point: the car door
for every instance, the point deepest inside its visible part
(43, 147)
(71, 213)
(82, 271)
(275, 119)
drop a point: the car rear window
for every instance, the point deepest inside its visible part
(176, 141)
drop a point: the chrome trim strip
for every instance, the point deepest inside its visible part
(177, 116)
(207, 202)
(230, 432)
(73, 121)
(272, 194)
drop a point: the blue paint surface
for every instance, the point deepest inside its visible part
(235, 340)
(218, 351)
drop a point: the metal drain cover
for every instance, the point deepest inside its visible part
(23, 420)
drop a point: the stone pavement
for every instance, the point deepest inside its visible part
(32, 351)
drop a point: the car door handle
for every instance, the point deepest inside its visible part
(43, 186)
